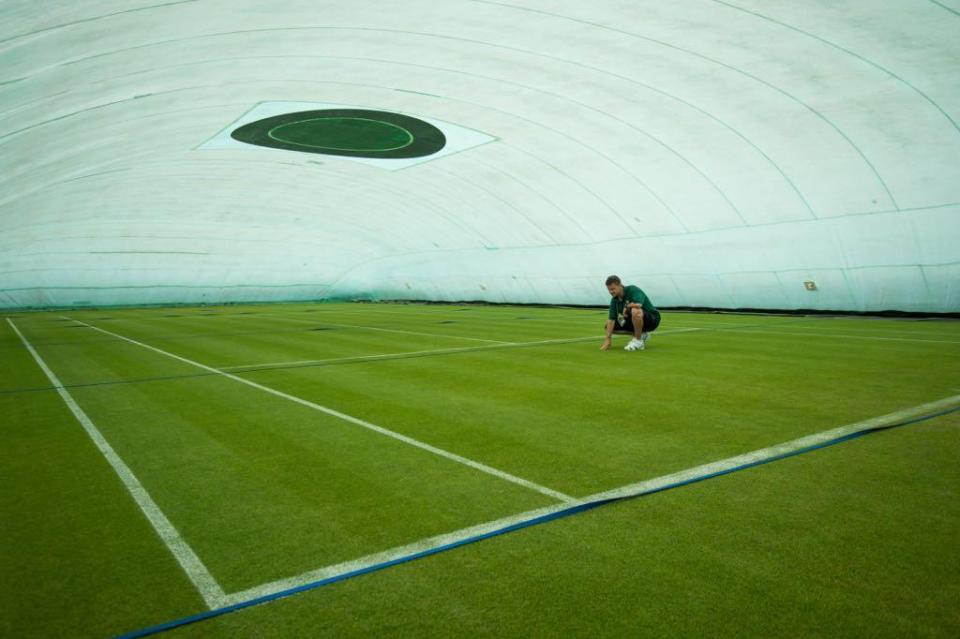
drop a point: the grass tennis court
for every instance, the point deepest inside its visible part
(282, 443)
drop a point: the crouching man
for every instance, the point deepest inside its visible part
(632, 312)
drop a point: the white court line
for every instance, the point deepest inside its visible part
(196, 571)
(623, 491)
(301, 320)
(400, 355)
(377, 328)
(395, 330)
(475, 318)
(567, 499)
(779, 449)
(844, 336)
(595, 318)
(438, 351)
(449, 312)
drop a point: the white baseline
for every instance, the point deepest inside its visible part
(621, 492)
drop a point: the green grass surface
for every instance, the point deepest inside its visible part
(854, 540)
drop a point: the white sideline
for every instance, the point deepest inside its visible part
(623, 491)
(567, 499)
(196, 571)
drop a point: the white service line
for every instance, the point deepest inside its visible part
(362, 358)
(441, 313)
(438, 351)
(196, 571)
(623, 491)
(476, 318)
(395, 330)
(384, 330)
(567, 499)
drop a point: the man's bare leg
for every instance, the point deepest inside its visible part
(636, 316)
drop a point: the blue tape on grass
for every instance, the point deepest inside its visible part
(533, 521)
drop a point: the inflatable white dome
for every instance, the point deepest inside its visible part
(745, 154)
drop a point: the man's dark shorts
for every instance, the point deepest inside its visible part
(650, 323)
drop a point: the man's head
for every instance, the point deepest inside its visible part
(614, 286)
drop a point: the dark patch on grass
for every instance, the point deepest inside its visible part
(447, 322)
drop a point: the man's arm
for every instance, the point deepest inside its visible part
(636, 300)
(606, 340)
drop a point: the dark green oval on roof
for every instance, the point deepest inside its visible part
(353, 132)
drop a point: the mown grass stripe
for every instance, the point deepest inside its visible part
(351, 359)
(357, 421)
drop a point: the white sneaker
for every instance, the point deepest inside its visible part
(634, 345)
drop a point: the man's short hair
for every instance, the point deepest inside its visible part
(613, 279)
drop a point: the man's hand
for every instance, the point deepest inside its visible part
(606, 344)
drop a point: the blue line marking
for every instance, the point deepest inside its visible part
(210, 614)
